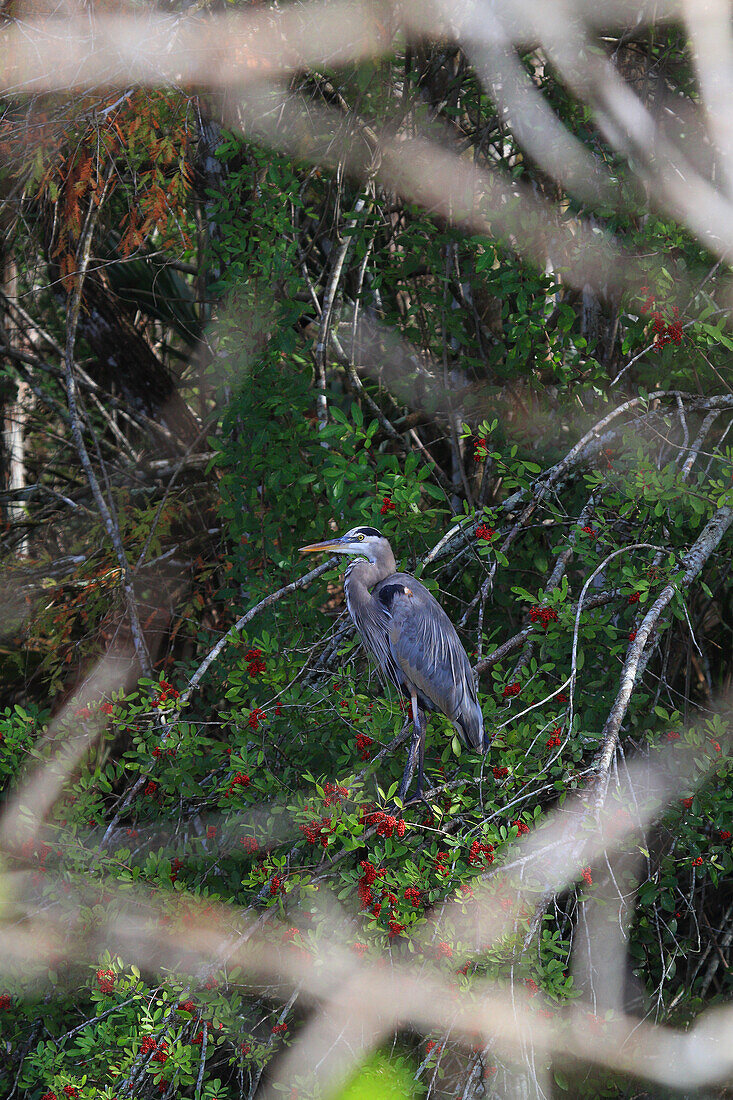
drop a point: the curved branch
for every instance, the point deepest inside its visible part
(710, 537)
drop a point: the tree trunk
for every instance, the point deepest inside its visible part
(14, 412)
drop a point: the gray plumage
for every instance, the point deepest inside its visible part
(413, 641)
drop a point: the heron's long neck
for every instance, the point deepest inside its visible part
(362, 575)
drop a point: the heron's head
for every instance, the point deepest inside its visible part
(364, 542)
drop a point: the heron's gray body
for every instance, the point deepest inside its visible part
(413, 641)
(417, 647)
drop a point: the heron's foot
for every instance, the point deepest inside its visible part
(418, 798)
(423, 798)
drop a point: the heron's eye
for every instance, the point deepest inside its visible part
(360, 538)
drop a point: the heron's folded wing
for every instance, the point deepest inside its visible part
(427, 650)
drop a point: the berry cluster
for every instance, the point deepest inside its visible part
(241, 779)
(334, 795)
(481, 852)
(387, 506)
(106, 981)
(368, 901)
(255, 717)
(555, 739)
(665, 331)
(167, 691)
(483, 531)
(543, 615)
(255, 664)
(440, 863)
(367, 880)
(363, 744)
(318, 832)
(161, 1049)
(386, 824)
(159, 753)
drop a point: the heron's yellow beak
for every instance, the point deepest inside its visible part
(314, 547)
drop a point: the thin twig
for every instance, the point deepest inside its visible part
(109, 520)
(324, 327)
(230, 636)
(199, 674)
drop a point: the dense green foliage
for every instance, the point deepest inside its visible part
(258, 794)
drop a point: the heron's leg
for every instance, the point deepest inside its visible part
(413, 753)
(423, 726)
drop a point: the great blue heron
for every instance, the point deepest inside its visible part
(412, 640)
